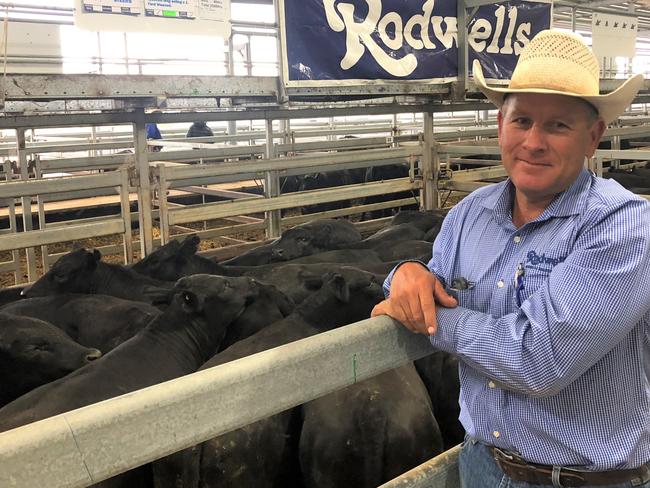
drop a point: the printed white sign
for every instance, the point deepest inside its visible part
(613, 35)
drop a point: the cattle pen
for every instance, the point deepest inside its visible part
(79, 166)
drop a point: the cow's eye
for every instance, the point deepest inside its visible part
(188, 298)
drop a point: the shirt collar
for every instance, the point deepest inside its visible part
(571, 201)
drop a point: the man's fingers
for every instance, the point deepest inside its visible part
(390, 308)
(428, 306)
(442, 297)
(395, 310)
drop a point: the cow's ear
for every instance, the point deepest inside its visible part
(340, 287)
(190, 245)
(92, 258)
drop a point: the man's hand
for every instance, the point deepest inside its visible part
(414, 293)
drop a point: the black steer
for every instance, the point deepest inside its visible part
(177, 259)
(82, 271)
(34, 352)
(368, 433)
(174, 344)
(98, 321)
(439, 372)
(314, 237)
(263, 454)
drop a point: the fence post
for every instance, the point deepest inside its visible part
(271, 185)
(125, 207)
(163, 208)
(144, 183)
(429, 195)
(26, 202)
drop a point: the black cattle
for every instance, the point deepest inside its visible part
(329, 179)
(176, 343)
(8, 295)
(628, 179)
(177, 259)
(98, 321)
(294, 278)
(82, 271)
(199, 129)
(368, 433)
(439, 373)
(314, 237)
(400, 250)
(383, 173)
(425, 220)
(34, 352)
(262, 454)
(254, 257)
(298, 281)
(391, 234)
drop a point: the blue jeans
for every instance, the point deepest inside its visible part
(478, 469)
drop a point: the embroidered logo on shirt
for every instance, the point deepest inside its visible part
(536, 261)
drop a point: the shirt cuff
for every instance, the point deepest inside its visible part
(446, 337)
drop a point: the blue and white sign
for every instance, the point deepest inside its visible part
(498, 32)
(338, 42)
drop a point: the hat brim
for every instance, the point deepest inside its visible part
(610, 105)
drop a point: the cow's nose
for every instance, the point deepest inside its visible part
(24, 291)
(93, 354)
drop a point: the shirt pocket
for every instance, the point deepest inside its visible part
(534, 278)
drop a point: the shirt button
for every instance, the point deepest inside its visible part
(517, 239)
(496, 434)
(491, 384)
(500, 283)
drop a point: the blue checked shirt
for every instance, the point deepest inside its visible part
(562, 379)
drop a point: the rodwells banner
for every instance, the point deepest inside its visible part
(338, 42)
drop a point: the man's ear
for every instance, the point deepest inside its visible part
(596, 134)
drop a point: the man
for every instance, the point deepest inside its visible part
(550, 277)
(199, 129)
(153, 133)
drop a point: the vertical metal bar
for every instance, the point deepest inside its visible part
(125, 207)
(271, 186)
(282, 90)
(249, 57)
(26, 202)
(41, 219)
(93, 139)
(144, 183)
(462, 47)
(11, 210)
(429, 165)
(573, 19)
(616, 146)
(163, 208)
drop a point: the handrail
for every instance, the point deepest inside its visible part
(93, 443)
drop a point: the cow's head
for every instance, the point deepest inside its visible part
(72, 273)
(34, 352)
(170, 261)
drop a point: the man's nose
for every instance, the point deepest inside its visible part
(535, 139)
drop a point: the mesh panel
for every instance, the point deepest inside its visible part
(558, 45)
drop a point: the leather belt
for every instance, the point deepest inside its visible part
(541, 474)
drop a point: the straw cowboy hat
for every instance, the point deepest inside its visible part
(561, 63)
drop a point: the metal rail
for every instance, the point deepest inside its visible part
(90, 444)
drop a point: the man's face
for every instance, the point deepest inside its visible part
(544, 139)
